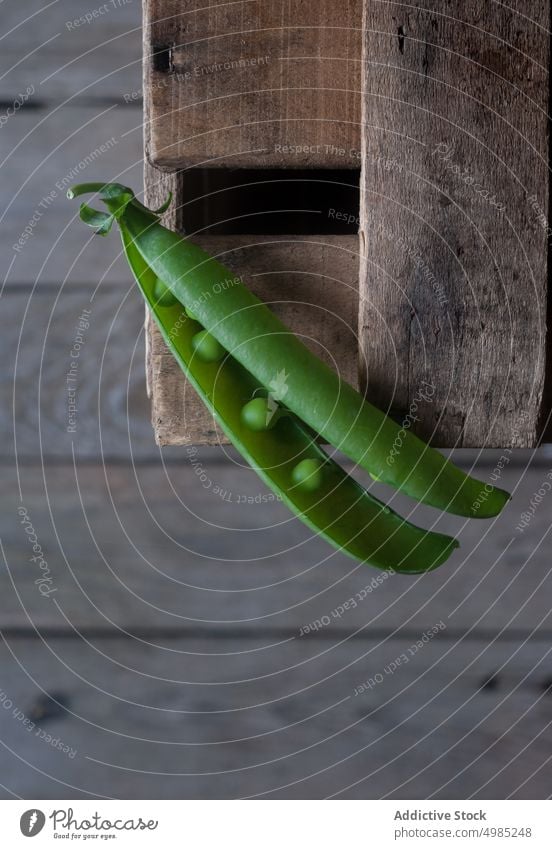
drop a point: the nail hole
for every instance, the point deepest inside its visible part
(161, 54)
(400, 33)
(28, 104)
(46, 707)
(490, 683)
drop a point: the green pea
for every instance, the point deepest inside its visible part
(308, 475)
(163, 295)
(207, 348)
(260, 414)
(190, 314)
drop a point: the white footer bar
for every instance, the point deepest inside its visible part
(277, 824)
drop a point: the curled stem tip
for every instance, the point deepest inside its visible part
(116, 197)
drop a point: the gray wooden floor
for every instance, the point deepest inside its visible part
(165, 653)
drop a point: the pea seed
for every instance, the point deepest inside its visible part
(260, 414)
(207, 348)
(163, 295)
(308, 475)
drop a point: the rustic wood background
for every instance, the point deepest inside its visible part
(443, 109)
(172, 659)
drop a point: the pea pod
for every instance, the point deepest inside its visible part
(264, 346)
(243, 340)
(285, 456)
(276, 444)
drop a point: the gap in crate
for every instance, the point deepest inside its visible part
(271, 202)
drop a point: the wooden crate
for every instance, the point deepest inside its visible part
(443, 108)
(244, 83)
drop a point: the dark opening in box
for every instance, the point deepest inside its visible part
(271, 202)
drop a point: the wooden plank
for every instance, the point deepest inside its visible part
(44, 155)
(157, 186)
(455, 198)
(106, 373)
(194, 546)
(198, 719)
(254, 84)
(310, 282)
(71, 49)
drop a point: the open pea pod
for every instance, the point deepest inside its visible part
(329, 500)
(264, 346)
(240, 350)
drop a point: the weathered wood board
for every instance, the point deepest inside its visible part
(201, 547)
(72, 51)
(454, 217)
(253, 84)
(190, 718)
(44, 153)
(66, 347)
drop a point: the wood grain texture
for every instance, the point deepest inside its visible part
(311, 284)
(197, 545)
(453, 217)
(157, 186)
(204, 720)
(41, 329)
(46, 152)
(71, 50)
(254, 84)
(190, 686)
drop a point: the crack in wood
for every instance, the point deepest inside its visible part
(400, 35)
